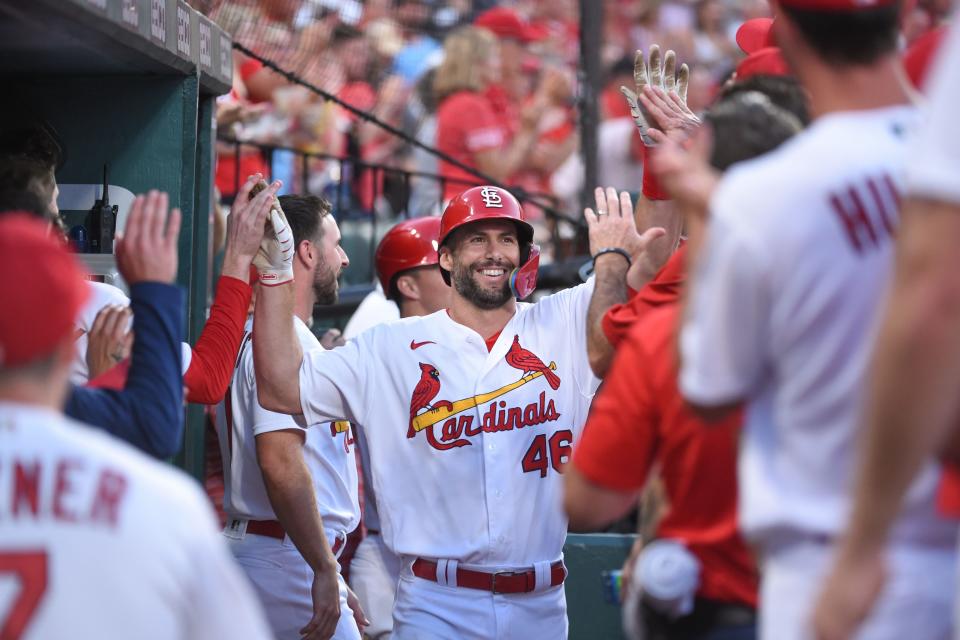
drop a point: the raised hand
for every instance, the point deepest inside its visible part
(659, 104)
(612, 226)
(245, 226)
(147, 249)
(274, 259)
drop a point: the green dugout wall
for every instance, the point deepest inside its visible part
(131, 84)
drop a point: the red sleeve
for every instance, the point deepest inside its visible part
(113, 378)
(212, 363)
(619, 441)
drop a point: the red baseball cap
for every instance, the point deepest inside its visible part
(755, 34)
(764, 62)
(42, 292)
(507, 23)
(835, 5)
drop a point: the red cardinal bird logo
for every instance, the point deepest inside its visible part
(426, 390)
(519, 358)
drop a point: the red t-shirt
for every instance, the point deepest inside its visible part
(663, 289)
(638, 421)
(466, 125)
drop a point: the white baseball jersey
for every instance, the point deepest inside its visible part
(466, 445)
(99, 541)
(326, 449)
(375, 309)
(784, 302)
(934, 169)
(101, 295)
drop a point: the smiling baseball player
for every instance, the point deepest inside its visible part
(468, 435)
(291, 484)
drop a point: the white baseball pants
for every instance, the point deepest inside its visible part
(426, 610)
(282, 581)
(916, 602)
(374, 573)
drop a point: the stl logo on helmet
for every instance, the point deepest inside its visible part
(491, 198)
(499, 416)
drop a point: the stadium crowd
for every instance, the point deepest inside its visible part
(763, 356)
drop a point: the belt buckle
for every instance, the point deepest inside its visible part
(493, 580)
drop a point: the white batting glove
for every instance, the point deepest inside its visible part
(274, 260)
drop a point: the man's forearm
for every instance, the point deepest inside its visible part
(664, 214)
(276, 350)
(290, 490)
(609, 289)
(912, 399)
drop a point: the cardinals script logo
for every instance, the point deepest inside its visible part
(426, 411)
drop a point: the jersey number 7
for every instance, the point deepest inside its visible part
(29, 568)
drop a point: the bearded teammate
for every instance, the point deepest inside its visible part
(290, 484)
(409, 272)
(472, 500)
(782, 312)
(96, 540)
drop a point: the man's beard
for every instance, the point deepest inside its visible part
(325, 285)
(464, 279)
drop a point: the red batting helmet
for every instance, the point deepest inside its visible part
(494, 203)
(409, 244)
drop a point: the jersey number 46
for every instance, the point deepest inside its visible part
(543, 454)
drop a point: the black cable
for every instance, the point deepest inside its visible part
(365, 115)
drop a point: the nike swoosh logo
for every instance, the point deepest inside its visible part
(414, 345)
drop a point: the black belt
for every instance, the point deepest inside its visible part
(707, 615)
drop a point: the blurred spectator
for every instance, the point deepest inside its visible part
(468, 127)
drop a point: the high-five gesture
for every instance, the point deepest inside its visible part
(659, 104)
(613, 229)
(274, 260)
(245, 227)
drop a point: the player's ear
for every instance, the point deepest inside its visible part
(408, 286)
(307, 253)
(446, 258)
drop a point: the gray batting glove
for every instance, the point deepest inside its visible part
(658, 74)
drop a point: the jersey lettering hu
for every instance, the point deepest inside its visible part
(783, 312)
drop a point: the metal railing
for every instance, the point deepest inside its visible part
(368, 198)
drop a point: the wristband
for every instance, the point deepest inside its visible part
(652, 190)
(616, 250)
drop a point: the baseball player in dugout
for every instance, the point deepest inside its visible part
(640, 426)
(80, 508)
(781, 315)
(291, 487)
(409, 272)
(469, 414)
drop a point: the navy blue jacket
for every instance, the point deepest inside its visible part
(148, 413)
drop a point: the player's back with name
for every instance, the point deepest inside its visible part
(102, 541)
